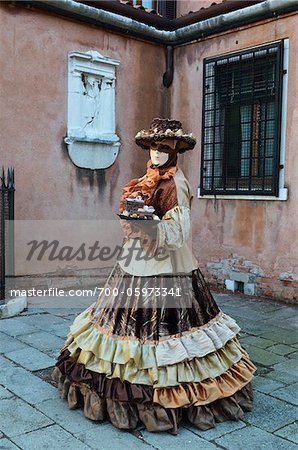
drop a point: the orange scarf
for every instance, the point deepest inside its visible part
(146, 185)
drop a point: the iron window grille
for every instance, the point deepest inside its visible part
(241, 122)
(166, 8)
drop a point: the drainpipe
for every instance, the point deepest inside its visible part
(168, 75)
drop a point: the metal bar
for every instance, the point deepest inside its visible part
(239, 159)
(7, 212)
(226, 133)
(214, 128)
(252, 117)
(278, 103)
(2, 267)
(265, 124)
(11, 237)
(203, 130)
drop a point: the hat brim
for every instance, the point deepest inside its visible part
(186, 141)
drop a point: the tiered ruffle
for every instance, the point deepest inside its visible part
(203, 373)
(125, 404)
(197, 342)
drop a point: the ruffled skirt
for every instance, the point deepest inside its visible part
(153, 351)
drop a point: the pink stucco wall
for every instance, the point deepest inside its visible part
(34, 112)
(263, 232)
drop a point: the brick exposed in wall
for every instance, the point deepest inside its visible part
(222, 273)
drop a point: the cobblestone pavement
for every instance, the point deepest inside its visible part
(32, 415)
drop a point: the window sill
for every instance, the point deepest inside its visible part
(282, 196)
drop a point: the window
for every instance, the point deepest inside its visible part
(166, 8)
(241, 122)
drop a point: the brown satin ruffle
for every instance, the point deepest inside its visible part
(127, 414)
(129, 317)
(109, 388)
(184, 395)
(229, 408)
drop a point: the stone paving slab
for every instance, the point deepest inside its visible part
(220, 430)
(272, 346)
(263, 371)
(290, 432)
(288, 393)
(282, 314)
(60, 330)
(281, 336)
(16, 326)
(265, 385)
(256, 328)
(34, 310)
(5, 393)
(9, 343)
(5, 364)
(184, 440)
(43, 321)
(283, 376)
(281, 349)
(256, 341)
(270, 413)
(31, 358)
(253, 438)
(71, 420)
(265, 308)
(66, 312)
(244, 312)
(261, 356)
(17, 417)
(68, 320)
(234, 299)
(104, 436)
(6, 444)
(289, 323)
(54, 437)
(289, 366)
(26, 385)
(45, 342)
(50, 303)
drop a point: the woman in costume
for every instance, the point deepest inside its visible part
(161, 350)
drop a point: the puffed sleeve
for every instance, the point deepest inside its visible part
(172, 203)
(174, 228)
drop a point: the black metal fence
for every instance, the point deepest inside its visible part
(6, 228)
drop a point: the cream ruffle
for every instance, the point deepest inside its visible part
(207, 390)
(196, 344)
(191, 371)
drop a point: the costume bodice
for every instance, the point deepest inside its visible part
(172, 201)
(164, 197)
